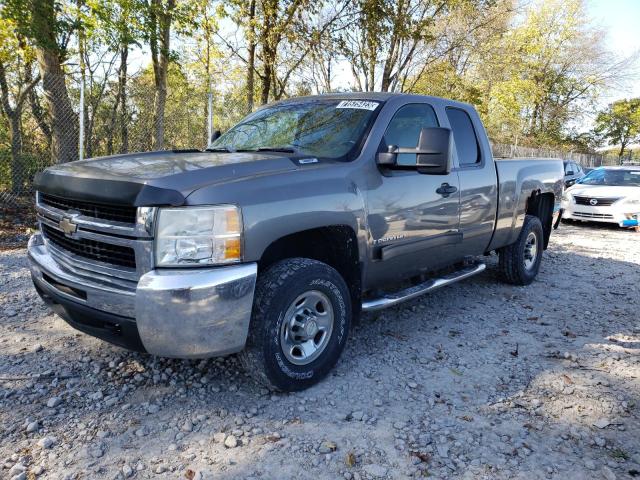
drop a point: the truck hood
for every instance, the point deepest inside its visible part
(155, 178)
(603, 191)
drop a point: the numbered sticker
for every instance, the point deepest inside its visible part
(359, 104)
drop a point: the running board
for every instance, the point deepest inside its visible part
(422, 288)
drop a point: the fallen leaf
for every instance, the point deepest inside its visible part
(466, 418)
(456, 372)
(350, 459)
(189, 474)
(329, 445)
(567, 379)
(423, 456)
(569, 334)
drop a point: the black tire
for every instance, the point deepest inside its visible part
(512, 258)
(276, 291)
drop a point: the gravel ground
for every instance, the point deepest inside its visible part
(480, 380)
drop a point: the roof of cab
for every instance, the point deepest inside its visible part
(378, 96)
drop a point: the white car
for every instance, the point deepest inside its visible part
(606, 194)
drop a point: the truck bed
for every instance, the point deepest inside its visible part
(518, 178)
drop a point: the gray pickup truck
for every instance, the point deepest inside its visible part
(274, 239)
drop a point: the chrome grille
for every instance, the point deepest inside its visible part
(600, 201)
(92, 249)
(117, 213)
(110, 252)
(592, 215)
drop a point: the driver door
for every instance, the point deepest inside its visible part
(413, 217)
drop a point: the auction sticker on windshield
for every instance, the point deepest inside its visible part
(361, 104)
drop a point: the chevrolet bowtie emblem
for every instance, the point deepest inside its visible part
(67, 226)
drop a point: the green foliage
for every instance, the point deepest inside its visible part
(619, 124)
(532, 70)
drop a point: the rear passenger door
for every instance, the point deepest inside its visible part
(478, 181)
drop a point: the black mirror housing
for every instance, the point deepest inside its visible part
(433, 154)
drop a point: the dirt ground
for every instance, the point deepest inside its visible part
(480, 380)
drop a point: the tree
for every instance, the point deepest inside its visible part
(46, 24)
(386, 37)
(15, 53)
(619, 124)
(159, 19)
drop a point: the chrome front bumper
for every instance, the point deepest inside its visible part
(187, 313)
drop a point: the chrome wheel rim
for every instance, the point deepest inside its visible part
(530, 251)
(306, 328)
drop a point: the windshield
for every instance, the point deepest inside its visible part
(329, 129)
(612, 178)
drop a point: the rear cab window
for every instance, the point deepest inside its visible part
(464, 137)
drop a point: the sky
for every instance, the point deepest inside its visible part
(621, 21)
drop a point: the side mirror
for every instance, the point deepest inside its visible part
(215, 135)
(433, 152)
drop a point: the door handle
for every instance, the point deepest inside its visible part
(445, 190)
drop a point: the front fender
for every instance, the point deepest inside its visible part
(279, 205)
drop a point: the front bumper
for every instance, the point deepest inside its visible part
(615, 213)
(187, 313)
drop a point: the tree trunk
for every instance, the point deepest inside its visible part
(14, 114)
(120, 100)
(17, 170)
(64, 122)
(112, 122)
(160, 49)
(623, 146)
(39, 115)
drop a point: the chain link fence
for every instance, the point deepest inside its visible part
(50, 130)
(101, 120)
(585, 159)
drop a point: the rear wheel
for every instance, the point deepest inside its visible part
(519, 262)
(299, 326)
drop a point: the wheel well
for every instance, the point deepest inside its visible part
(541, 205)
(335, 245)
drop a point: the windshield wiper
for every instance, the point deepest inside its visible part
(222, 148)
(282, 148)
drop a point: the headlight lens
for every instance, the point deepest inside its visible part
(632, 201)
(566, 197)
(198, 236)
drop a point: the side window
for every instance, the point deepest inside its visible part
(464, 136)
(404, 129)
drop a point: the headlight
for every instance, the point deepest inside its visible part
(566, 197)
(632, 201)
(198, 236)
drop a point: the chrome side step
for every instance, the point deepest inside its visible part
(422, 288)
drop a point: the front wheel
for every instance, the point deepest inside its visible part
(520, 262)
(299, 326)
